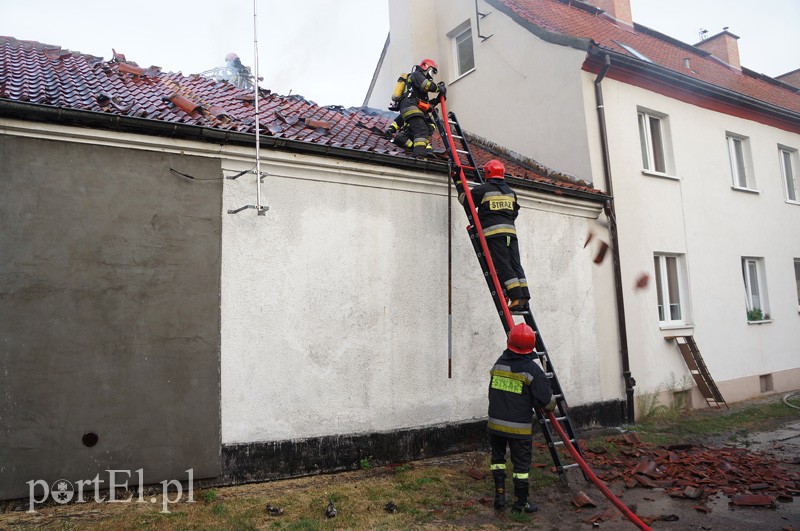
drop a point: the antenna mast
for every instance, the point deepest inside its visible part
(259, 208)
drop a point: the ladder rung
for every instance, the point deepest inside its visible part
(561, 443)
(462, 151)
(559, 419)
(571, 465)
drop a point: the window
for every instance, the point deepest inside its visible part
(755, 289)
(797, 279)
(462, 45)
(739, 150)
(633, 51)
(788, 160)
(669, 288)
(653, 133)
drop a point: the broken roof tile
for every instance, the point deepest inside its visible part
(187, 105)
(91, 84)
(125, 68)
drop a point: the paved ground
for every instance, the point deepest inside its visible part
(782, 443)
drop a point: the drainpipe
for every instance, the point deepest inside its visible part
(610, 212)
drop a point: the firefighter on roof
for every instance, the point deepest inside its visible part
(517, 385)
(497, 208)
(415, 108)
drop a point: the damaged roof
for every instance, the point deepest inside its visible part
(47, 75)
(588, 25)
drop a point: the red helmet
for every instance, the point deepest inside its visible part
(522, 339)
(494, 169)
(425, 64)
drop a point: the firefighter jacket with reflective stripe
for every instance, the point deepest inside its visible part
(497, 208)
(418, 88)
(517, 384)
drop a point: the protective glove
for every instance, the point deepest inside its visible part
(551, 406)
(442, 88)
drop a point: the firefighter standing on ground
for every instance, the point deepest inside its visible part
(497, 208)
(415, 107)
(517, 385)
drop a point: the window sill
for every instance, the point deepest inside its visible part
(462, 76)
(651, 173)
(676, 327)
(763, 321)
(790, 202)
(748, 190)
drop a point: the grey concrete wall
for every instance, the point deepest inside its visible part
(109, 313)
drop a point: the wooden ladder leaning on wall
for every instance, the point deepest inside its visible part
(697, 367)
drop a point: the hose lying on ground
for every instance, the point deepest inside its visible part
(593, 478)
(786, 398)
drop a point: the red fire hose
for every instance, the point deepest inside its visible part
(592, 477)
(448, 137)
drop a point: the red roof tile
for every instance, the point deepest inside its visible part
(575, 19)
(47, 75)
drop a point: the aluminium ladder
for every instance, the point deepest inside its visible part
(462, 164)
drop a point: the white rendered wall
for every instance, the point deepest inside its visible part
(524, 94)
(700, 215)
(334, 304)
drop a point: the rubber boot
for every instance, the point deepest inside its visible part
(499, 489)
(521, 503)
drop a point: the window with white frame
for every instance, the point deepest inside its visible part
(755, 289)
(462, 48)
(788, 161)
(653, 138)
(670, 288)
(741, 166)
(797, 279)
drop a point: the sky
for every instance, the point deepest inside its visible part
(327, 50)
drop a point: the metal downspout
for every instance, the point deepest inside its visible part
(610, 211)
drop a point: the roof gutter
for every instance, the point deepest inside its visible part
(663, 75)
(50, 114)
(611, 214)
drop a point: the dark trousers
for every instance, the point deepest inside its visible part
(520, 452)
(505, 255)
(421, 135)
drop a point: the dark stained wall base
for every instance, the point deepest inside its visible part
(262, 461)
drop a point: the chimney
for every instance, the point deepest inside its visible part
(724, 47)
(620, 10)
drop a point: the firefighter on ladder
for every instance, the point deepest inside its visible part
(497, 208)
(414, 122)
(517, 385)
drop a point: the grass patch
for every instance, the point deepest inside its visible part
(717, 422)
(208, 495)
(218, 509)
(434, 493)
